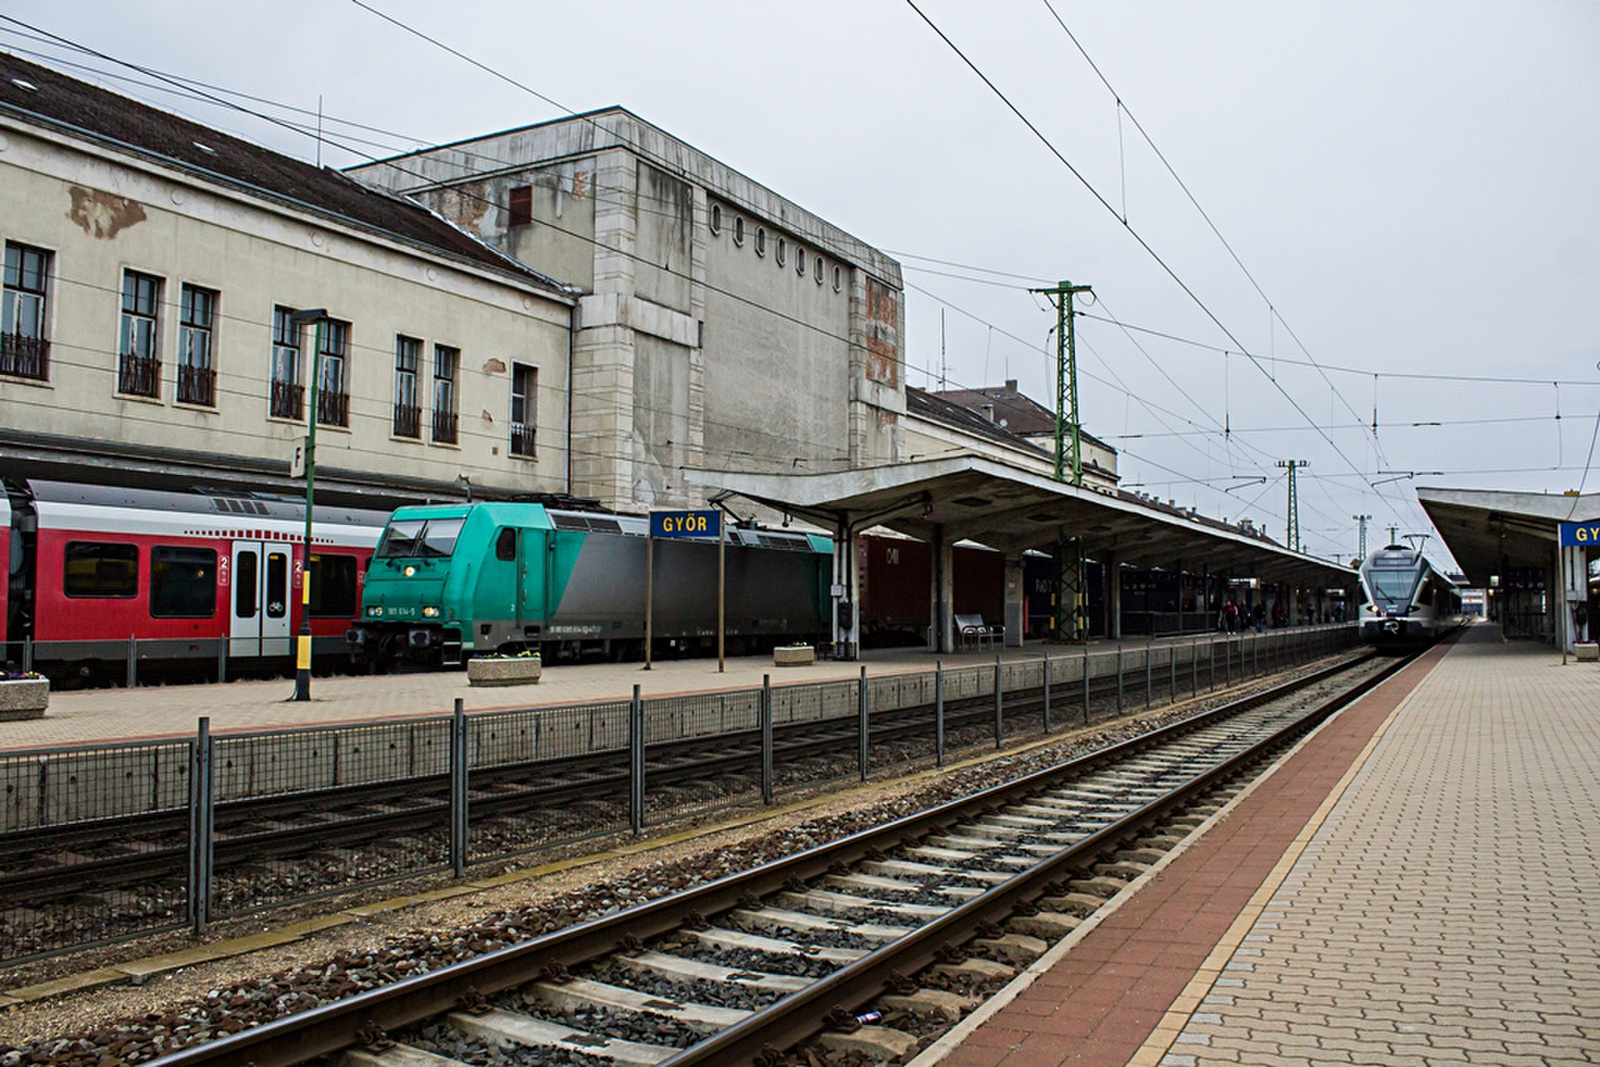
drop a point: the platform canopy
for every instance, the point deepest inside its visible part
(1012, 510)
(1491, 532)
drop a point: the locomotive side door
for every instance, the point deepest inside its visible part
(258, 615)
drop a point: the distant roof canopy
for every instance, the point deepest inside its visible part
(1013, 510)
(1490, 532)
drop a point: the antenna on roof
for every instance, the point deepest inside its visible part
(942, 368)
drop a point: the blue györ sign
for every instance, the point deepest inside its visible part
(686, 523)
(1580, 534)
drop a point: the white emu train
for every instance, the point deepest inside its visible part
(1405, 600)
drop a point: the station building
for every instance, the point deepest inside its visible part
(151, 268)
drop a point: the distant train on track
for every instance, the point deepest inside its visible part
(1405, 600)
(180, 573)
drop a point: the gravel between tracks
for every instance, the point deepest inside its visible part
(132, 1024)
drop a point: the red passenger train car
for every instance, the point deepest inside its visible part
(186, 575)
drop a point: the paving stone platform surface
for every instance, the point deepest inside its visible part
(1418, 884)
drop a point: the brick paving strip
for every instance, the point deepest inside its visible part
(1132, 979)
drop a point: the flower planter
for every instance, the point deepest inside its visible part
(508, 670)
(794, 656)
(24, 698)
(1588, 651)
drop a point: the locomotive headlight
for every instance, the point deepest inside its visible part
(376, 611)
(409, 571)
(430, 613)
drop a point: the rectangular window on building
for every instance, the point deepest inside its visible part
(139, 357)
(197, 372)
(24, 350)
(524, 408)
(99, 569)
(407, 412)
(287, 398)
(333, 390)
(446, 365)
(522, 206)
(183, 583)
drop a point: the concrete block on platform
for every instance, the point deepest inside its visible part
(1587, 652)
(504, 670)
(24, 698)
(794, 656)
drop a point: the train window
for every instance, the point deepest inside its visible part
(505, 546)
(246, 579)
(333, 586)
(277, 584)
(429, 538)
(95, 569)
(183, 583)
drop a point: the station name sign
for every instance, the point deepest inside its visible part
(1580, 534)
(668, 524)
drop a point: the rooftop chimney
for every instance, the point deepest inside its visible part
(1011, 387)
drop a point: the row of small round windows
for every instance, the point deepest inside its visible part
(780, 252)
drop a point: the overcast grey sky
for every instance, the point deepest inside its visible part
(1414, 186)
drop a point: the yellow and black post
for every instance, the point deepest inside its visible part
(302, 674)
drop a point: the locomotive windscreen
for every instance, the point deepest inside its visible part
(427, 538)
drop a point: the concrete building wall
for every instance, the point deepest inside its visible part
(100, 213)
(696, 347)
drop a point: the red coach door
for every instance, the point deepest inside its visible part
(259, 595)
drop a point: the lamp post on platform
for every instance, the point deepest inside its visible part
(302, 674)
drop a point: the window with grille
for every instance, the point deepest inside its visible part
(24, 350)
(138, 354)
(333, 390)
(407, 412)
(197, 373)
(446, 365)
(524, 408)
(288, 394)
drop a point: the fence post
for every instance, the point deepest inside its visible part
(1255, 655)
(133, 661)
(1119, 679)
(1149, 650)
(636, 763)
(938, 712)
(999, 707)
(864, 753)
(1086, 685)
(1172, 673)
(1194, 667)
(766, 739)
(1211, 660)
(201, 811)
(222, 660)
(1047, 692)
(458, 789)
(27, 654)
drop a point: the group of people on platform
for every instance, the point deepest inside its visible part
(1236, 618)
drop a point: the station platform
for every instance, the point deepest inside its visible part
(87, 716)
(1417, 883)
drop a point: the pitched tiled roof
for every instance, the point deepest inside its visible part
(1018, 413)
(39, 94)
(934, 406)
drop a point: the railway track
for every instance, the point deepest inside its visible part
(917, 918)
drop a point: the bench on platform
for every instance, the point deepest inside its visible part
(976, 634)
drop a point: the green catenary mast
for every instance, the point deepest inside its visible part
(1072, 615)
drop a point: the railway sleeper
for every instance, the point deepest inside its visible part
(729, 940)
(829, 902)
(679, 969)
(578, 994)
(498, 1025)
(774, 919)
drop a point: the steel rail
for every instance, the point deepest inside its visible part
(338, 1025)
(803, 1014)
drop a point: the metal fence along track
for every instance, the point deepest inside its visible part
(105, 842)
